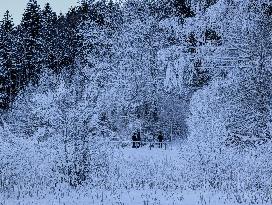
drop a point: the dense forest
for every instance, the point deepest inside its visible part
(200, 71)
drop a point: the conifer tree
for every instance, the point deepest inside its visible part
(49, 33)
(9, 74)
(68, 41)
(32, 43)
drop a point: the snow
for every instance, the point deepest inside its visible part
(196, 80)
(143, 194)
(134, 197)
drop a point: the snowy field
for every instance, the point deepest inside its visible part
(135, 197)
(141, 177)
(73, 85)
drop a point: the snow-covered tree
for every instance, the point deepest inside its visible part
(32, 43)
(49, 37)
(9, 74)
(252, 48)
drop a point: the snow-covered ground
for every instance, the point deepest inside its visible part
(141, 177)
(135, 197)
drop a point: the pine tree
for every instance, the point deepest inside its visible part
(9, 74)
(32, 42)
(73, 39)
(49, 36)
(171, 8)
(60, 46)
(68, 40)
(183, 8)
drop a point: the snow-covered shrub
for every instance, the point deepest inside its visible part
(156, 169)
(26, 165)
(55, 130)
(207, 131)
(207, 123)
(212, 161)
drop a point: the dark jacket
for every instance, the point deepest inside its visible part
(160, 137)
(134, 137)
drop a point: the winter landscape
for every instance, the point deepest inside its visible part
(137, 102)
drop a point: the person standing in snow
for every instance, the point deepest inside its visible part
(160, 139)
(134, 139)
(138, 139)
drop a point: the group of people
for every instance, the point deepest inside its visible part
(136, 139)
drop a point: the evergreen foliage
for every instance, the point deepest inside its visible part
(9, 73)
